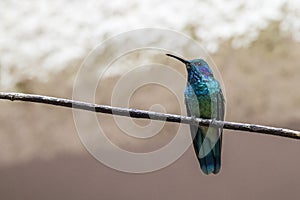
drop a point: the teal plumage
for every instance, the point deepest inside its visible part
(204, 99)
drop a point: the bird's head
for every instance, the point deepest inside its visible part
(196, 65)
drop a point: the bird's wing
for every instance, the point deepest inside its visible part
(211, 137)
(192, 108)
(216, 133)
(220, 112)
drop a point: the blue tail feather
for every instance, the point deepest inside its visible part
(208, 153)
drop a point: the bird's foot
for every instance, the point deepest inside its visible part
(213, 122)
(194, 120)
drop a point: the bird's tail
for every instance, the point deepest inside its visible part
(207, 144)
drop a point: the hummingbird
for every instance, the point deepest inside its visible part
(204, 99)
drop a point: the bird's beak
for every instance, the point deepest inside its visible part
(181, 59)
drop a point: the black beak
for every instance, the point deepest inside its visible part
(181, 59)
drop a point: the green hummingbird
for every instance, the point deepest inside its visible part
(204, 99)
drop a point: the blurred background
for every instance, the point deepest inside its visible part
(255, 45)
